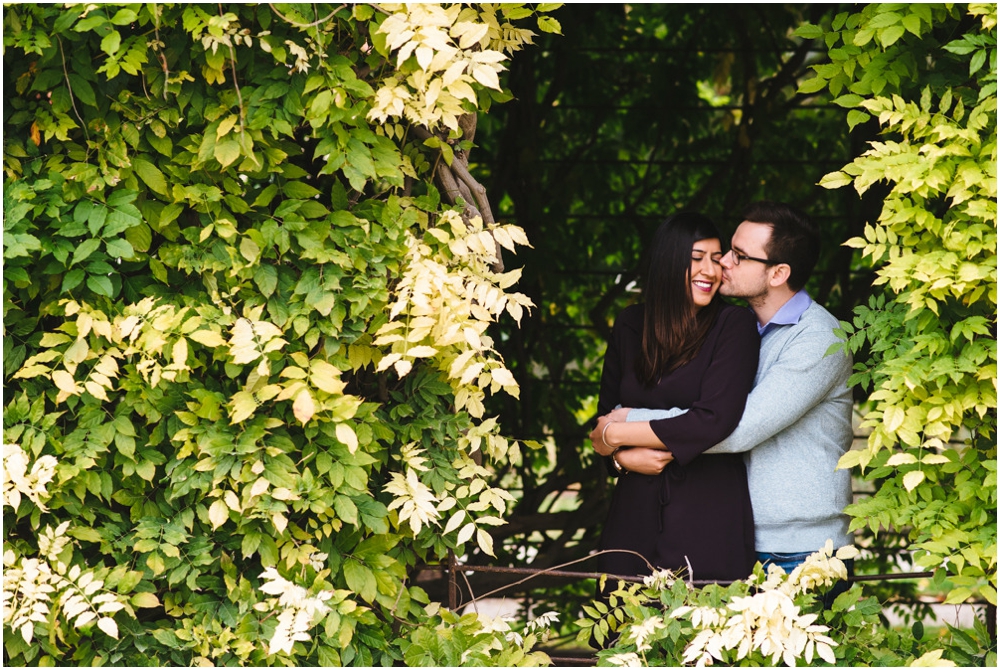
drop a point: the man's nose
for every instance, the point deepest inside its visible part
(727, 259)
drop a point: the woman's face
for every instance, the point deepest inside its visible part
(706, 272)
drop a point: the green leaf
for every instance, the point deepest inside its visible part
(856, 117)
(891, 35)
(227, 152)
(299, 191)
(835, 180)
(85, 249)
(265, 197)
(346, 510)
(913, 23)
(111, 43)
(140, 237)
(123, 17)
(809, 32)
(812, 85)
(547, 24)
(266, 278)
(100, 285)
(977, 62)
(150, 174)
(849, 100)
(119, 248)
(360, 580)
(72, 279)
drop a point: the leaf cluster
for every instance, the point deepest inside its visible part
(204, 234)
(927, 75)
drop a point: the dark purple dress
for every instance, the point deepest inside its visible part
(697, 512)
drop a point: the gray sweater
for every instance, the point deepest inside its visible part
(796, 426)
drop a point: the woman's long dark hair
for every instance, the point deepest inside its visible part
(673, 331)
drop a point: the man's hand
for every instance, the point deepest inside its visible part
(620, 414)
(643, 460)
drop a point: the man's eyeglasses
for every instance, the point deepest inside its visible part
(739, 258)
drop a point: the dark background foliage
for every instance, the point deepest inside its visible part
(636, 112)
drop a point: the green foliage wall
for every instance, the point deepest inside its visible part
(220, 233)
(928, 74)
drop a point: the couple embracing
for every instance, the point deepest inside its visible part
(722, 424)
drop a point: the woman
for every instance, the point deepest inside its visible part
(683, 348)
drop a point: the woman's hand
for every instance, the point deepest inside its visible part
(643, 460)
(597, 436)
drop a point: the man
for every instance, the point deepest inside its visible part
(797, 421)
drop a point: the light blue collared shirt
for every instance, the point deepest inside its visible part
(789, 314)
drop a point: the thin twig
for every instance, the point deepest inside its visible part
(159, 48)
(305, 25)
(564, 565)
(239, 95)
(72, 98)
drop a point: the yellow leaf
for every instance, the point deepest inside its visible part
(226, 125)
(243, 406)
(232, 501)
(64, 382)
(487, 76)
(403, 368)
(893, 418)
(96, 390)
(912, 479)
(180, 352)
(901, 459)
(209, 338)
(347, 435)
(326, 377)
(260, 486)
(145, 600)
(108, 625)
(485, 541)
(455, 521)
(218, 513)
(466, 533)
(503, 377)
(304, 407)
(54, 339)
(503, 237)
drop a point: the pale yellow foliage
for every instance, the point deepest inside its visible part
(18, 481)
(35, 587)
(453, 48)
(444, 303)
(768, 621)
(297, 610)
(416, 503)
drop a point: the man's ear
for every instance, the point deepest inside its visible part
(779, 274)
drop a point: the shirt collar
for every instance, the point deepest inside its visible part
(789, 314)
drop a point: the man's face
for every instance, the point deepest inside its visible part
(749, 279)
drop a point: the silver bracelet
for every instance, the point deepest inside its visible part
(603, 432)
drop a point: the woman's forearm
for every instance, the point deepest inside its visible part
(632, 434)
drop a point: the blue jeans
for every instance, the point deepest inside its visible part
(789, 562)
(786, 562)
